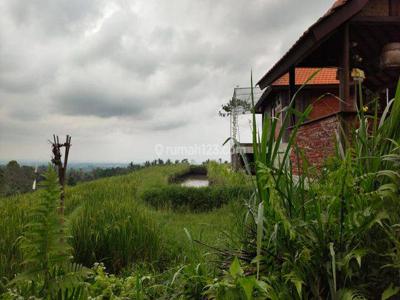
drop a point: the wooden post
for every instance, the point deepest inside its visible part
(292, 82)
(292, 90)
(344, 94)
(286, 101)
(347, 103)
(61, 166)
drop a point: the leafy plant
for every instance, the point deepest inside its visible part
(334, 236)
(236, 285)
(47, 267)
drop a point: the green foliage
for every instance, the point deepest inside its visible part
(335, 236)
(15, 179)
(234, 104)
(236, 285)
(14, 215)
(108, 286)
(117, 233)
(108, 223)
(46, 265)
(193, 199)
(330, 237)
(223, 175)
(43, 243)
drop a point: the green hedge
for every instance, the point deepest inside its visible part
(194, 199)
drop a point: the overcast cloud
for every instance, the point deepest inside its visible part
(124, 76)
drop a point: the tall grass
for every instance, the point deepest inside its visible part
(223, 175)
(117, 233)
(14, 215)
(194, 199)
(333, 237)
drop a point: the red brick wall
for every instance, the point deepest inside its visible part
(324, 106)
(317, 139)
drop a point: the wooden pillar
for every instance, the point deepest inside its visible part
(292, 82)
(286, 100)
(394, 8)
(344, 94)
(292, 90)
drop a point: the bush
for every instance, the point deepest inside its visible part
(194, 199)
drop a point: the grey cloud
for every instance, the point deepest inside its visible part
(167, 125)
(134, 68)
(119, 42)
(54, 17)
(91, 102)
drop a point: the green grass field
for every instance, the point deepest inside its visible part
(109, 223)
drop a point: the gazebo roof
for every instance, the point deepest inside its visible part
(339, 13)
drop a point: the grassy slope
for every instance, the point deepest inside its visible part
(119, 197)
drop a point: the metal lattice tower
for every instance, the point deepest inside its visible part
(242, 105)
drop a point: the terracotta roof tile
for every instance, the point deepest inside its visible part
(336, 5)
(325, 76)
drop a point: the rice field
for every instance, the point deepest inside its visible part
(109, 223)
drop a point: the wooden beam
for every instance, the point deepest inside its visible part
(378, 20)
(339, 17)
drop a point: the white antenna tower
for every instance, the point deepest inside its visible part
(234, 121)
(241, 104)
(34, 180)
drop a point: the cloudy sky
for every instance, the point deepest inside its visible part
(133, 79)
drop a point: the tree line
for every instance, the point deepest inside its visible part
(17, 179)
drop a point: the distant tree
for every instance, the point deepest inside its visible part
(206, 162)
(177, 161)
(185, 161)
(168, 162)
(71, 180)
(2, 181)
(229, 108)
(16, 179)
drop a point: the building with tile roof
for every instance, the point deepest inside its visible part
(354, 37)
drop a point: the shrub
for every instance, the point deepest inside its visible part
(194, 199)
